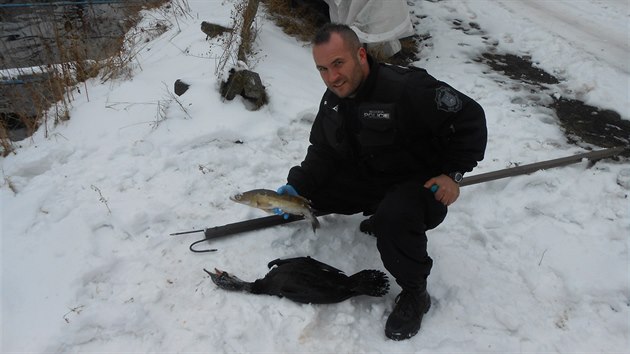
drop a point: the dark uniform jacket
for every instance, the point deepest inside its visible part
(401, 124)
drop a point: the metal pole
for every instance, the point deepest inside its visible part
(273, 220)
(525, 169)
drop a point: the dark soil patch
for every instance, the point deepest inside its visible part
(592, 125)
(518, 68)
(582, 123)
(471, 28)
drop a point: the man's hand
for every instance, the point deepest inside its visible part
(448, 190)
(286, 189)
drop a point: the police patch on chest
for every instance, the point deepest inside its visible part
(447, 99)
(375, 113)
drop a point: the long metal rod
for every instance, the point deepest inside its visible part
(526, 169)
(273, 220)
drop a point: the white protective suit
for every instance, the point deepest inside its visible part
(376, 22)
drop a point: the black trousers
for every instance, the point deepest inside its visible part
(402, 213)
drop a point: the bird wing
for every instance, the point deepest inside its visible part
(307, 262)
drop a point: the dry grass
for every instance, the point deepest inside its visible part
(248, 33)
(9, 183)
(300, 22)
(5, 141)
(237, 44)
(407, 54)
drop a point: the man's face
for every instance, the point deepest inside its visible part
(342, 69)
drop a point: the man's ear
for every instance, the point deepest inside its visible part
(362, 54)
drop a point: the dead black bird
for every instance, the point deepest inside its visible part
(306, 280)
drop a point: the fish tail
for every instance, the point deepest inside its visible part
(370, 282)
(310, 216)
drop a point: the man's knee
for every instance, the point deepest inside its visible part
(401, 211)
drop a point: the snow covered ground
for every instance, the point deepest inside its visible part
(535, 263)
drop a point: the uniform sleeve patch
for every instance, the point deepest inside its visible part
(447, 99)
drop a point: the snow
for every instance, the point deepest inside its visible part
(535, 263)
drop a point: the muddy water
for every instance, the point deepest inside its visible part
(44, 32)
(36, 33)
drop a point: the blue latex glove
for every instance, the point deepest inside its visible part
(286, 189)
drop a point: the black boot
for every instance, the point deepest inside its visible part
(404, 322)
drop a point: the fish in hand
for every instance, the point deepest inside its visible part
(306, 280)
(269, 200)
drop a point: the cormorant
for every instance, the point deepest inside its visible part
(306, 280)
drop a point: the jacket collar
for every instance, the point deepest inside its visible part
(368, 85)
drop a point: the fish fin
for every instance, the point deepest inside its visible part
(310, 216)
(306, 201)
